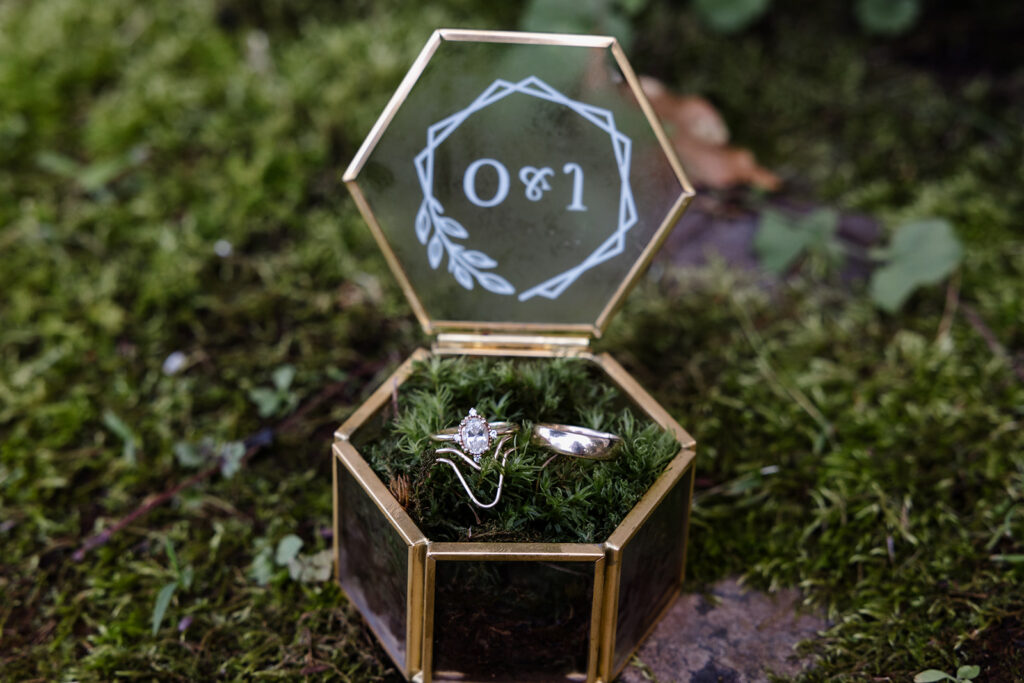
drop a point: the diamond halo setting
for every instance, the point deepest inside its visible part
(475, 435)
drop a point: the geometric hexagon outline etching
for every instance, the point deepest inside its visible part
(437, 230)
(394, 239)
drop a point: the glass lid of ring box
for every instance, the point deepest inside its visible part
(518, 182)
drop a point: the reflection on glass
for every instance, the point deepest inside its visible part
(519, 183)
(652, 565)
(373, 565)
(512, 621)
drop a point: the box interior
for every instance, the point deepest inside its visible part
(567, 500)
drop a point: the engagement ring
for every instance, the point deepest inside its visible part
(474, 435)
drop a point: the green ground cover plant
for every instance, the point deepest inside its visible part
(173, 232)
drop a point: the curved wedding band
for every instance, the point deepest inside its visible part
(576, 441)
(475, 435)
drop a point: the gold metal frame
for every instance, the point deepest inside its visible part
(423, 553)
(402, 92)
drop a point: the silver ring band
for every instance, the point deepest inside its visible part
(498, 427)
(579, 442)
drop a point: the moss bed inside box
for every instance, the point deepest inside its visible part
(570, 500)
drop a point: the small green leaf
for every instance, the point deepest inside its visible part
(582, 16)
(186, 578)
(123, 432)
(267, 400)
(262, 568)
(231, 455)
(777, 242)
(91, 177)
(922, 253)
(781, 239)
(187, 455)
(730, 16)
(58, 164)
(163, 599)
(283, 377)
(314, 568)
(887, 17)
(96, 175)
(931, 676)
(743, 484)
(1010, 559)
(172, 556)
(335, 374)
(287, 548)
(821, 224)
(633, 7)
(968, 672)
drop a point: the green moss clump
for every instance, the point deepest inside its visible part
(569, 500)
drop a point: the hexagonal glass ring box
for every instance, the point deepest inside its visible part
(518, 184)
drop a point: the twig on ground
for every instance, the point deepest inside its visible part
(253, 443)
(990, 338)
(952, 300)
(102, 537)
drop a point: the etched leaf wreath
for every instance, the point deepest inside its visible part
(467, 266)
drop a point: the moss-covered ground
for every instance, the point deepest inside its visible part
(169, 182)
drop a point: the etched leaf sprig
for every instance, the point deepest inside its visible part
(467, 266)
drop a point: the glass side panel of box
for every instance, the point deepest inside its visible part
(512, 621)
(652, 568)
(373, 564)
(519, 183)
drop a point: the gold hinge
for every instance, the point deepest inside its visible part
(485, 344)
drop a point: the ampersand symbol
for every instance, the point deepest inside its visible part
(535, 180)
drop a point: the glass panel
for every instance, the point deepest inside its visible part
(519, 183)
(652, 565)
(373, 565)
(512, 621)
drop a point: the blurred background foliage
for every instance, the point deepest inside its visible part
(175, 242)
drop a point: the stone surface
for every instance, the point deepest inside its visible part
(714, 227)
(737, 636)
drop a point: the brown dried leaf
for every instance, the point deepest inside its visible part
(700, 138)
(399, 487)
